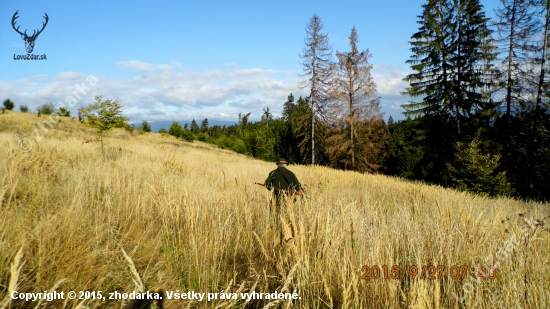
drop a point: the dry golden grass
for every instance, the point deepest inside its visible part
(191, 219)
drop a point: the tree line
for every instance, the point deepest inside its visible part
(479, 120)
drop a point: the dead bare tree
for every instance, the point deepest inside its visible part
(317, 66)
(542, 83)
(354, 107)
(516, 27)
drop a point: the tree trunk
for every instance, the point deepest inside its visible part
(507, 133)
(352, 127)
(535, 148)
(312, 134)
(509, 73)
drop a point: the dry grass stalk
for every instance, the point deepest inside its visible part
(138, 282)
(15, 271)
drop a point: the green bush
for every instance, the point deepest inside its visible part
(129, 127)
(24, 108)
(187, 135)
(145, 127)
(239, 146)
(175, 130)
(46, 109)
(8, 104)
(224, 143)
(203, 137)
(63, 111)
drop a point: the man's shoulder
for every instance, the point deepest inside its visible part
(282, 169)
(285, 170)
(273, 173)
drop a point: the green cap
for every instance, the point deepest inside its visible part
(281, 161)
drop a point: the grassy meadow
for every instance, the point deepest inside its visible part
(191, 218)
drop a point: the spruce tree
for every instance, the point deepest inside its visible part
(476, 172)
(204, 125)
(452, 55)
(472, 60)
(194, 127)
(432, 54)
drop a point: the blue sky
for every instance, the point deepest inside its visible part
(178, 60)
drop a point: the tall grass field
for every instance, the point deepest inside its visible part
(155, 213)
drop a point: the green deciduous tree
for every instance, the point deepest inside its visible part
(46, 109)
(187, 135)
(175, 130)
(239, 146)
(104, 115)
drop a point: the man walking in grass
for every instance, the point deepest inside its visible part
(282, 181)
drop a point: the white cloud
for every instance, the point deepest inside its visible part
(389, 83)
(166, 94)
(169, 92)
(136, 66)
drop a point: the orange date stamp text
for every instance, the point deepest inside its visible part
(430, 272)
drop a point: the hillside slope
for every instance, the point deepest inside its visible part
(191, 218)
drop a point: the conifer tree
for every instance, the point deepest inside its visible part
(194, 127)
(472, 61)
(145, 127)
(204, 125)
(478, 173)
(452, 55)
(432, 81)
(354, 109)
(317, 67)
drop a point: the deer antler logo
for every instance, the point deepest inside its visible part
(29, 40)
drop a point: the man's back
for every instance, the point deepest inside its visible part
(284, 179)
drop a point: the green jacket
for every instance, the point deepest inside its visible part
(277, 179)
